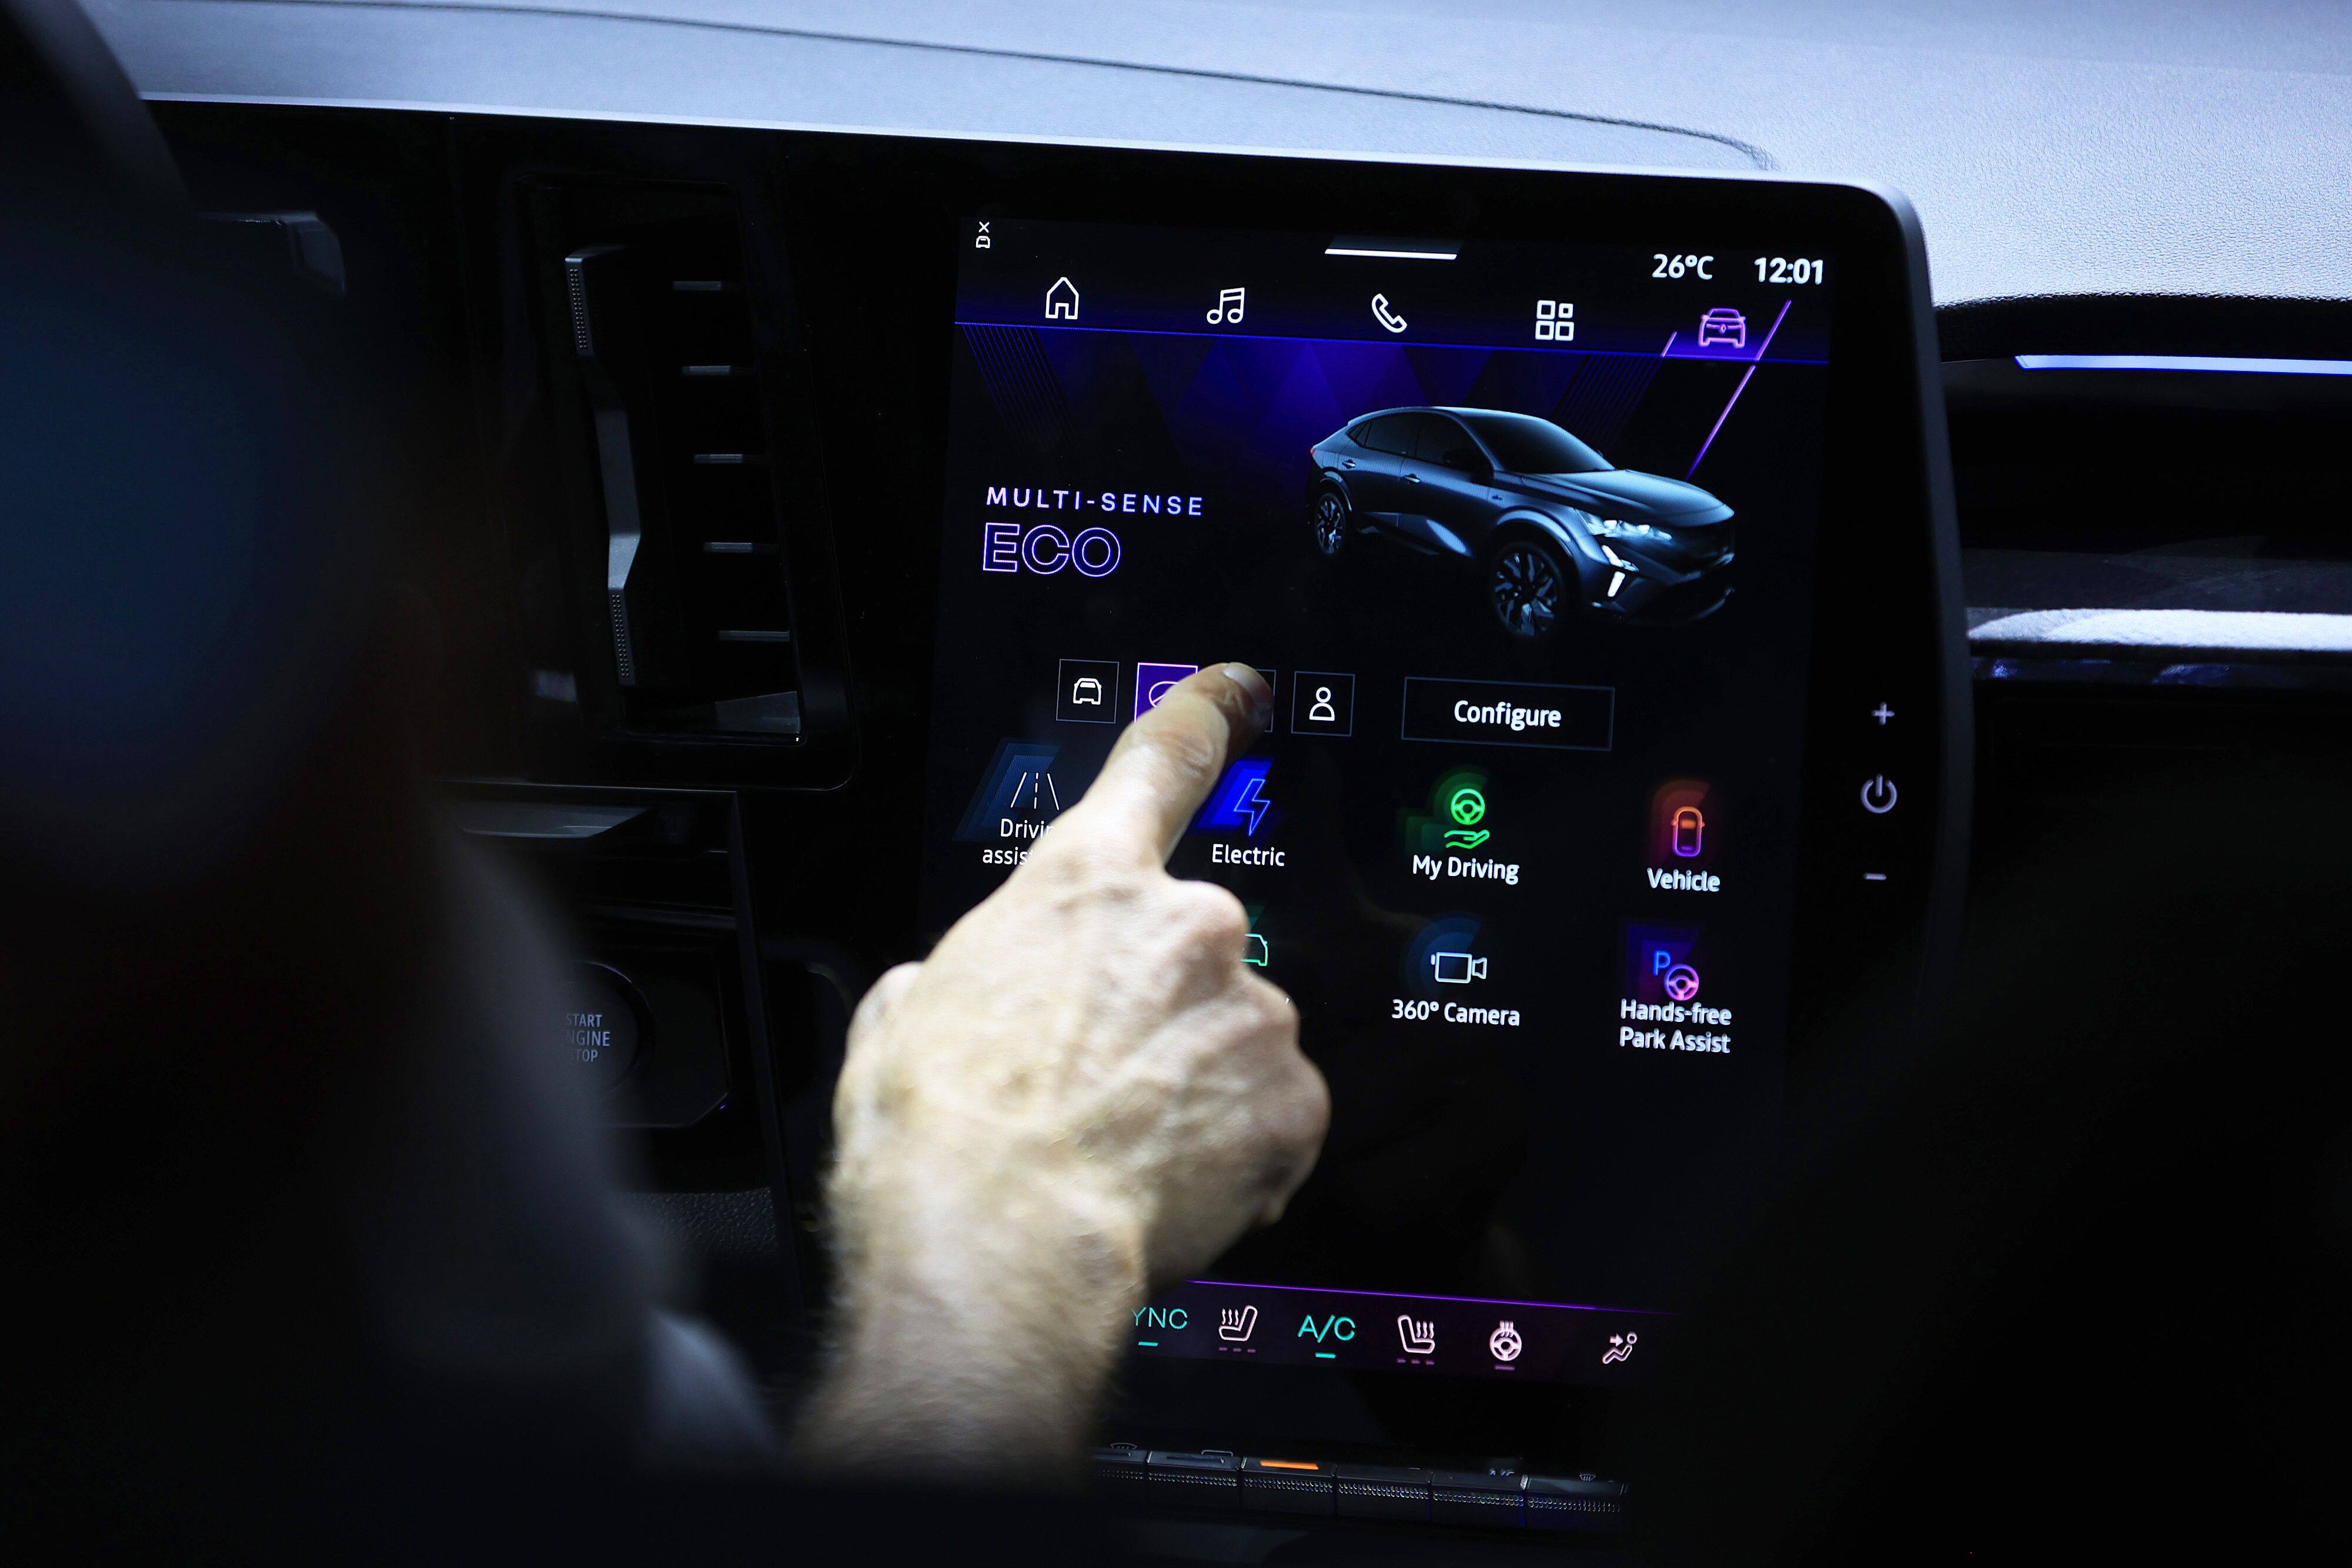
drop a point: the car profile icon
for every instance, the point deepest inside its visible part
(1552, 530)
(1723, 328)
(1087, 690)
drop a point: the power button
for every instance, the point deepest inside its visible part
(1878, 794)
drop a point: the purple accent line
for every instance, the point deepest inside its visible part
(2168, 362)
(1417, 1296)
(1293, 338)
(1670, 342)
(1767, 343)
(1756, 360)
(1745, 378)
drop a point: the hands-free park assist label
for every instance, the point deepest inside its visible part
(1509, 713)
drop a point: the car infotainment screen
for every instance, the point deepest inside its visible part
(1524, 536)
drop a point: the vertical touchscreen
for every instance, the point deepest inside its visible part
(1523, 536)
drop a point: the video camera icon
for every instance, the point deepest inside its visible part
(1457, 969)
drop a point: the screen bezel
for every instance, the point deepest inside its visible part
(1886, 622)
(1869, 643)
(853, 243)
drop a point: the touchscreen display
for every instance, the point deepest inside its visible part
(1523, 535)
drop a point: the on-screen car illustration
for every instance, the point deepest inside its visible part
(1723, 328)
(1553, 529)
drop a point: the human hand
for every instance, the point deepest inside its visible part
(1081, 1092)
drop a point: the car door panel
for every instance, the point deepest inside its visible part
(1446, 489)
(1372, 484)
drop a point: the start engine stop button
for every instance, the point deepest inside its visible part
(601, 1024)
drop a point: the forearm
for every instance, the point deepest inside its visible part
(976, 1335)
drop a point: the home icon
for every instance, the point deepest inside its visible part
(1062, 301)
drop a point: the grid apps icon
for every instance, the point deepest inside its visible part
(1555, 321)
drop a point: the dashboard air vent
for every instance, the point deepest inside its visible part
(695, 604)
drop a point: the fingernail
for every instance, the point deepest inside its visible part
(1253, 686)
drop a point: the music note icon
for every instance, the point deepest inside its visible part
(1229, 307)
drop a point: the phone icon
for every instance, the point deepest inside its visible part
(1384, 316)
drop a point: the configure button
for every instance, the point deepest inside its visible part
(1509, 713)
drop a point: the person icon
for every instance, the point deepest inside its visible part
(1323, 701)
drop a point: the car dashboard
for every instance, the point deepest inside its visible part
(1661, 581)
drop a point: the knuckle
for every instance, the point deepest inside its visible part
(1294, 1096)
(885, 992)
(1084, 868)
(1196, 751)
(1207, 916)
(881, 998)
(1312, 1104)
(1271, 1008)
(857, 1090)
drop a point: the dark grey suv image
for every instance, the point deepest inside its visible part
(1553, 529)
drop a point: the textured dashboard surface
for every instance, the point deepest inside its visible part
(727, 1226)
(2169, 146)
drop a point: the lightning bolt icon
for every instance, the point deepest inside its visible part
(1248, 800)
(1239, 799)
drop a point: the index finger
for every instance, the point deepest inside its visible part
(1162, 767)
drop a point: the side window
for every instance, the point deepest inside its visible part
(1441, 441)
(1390, 433)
